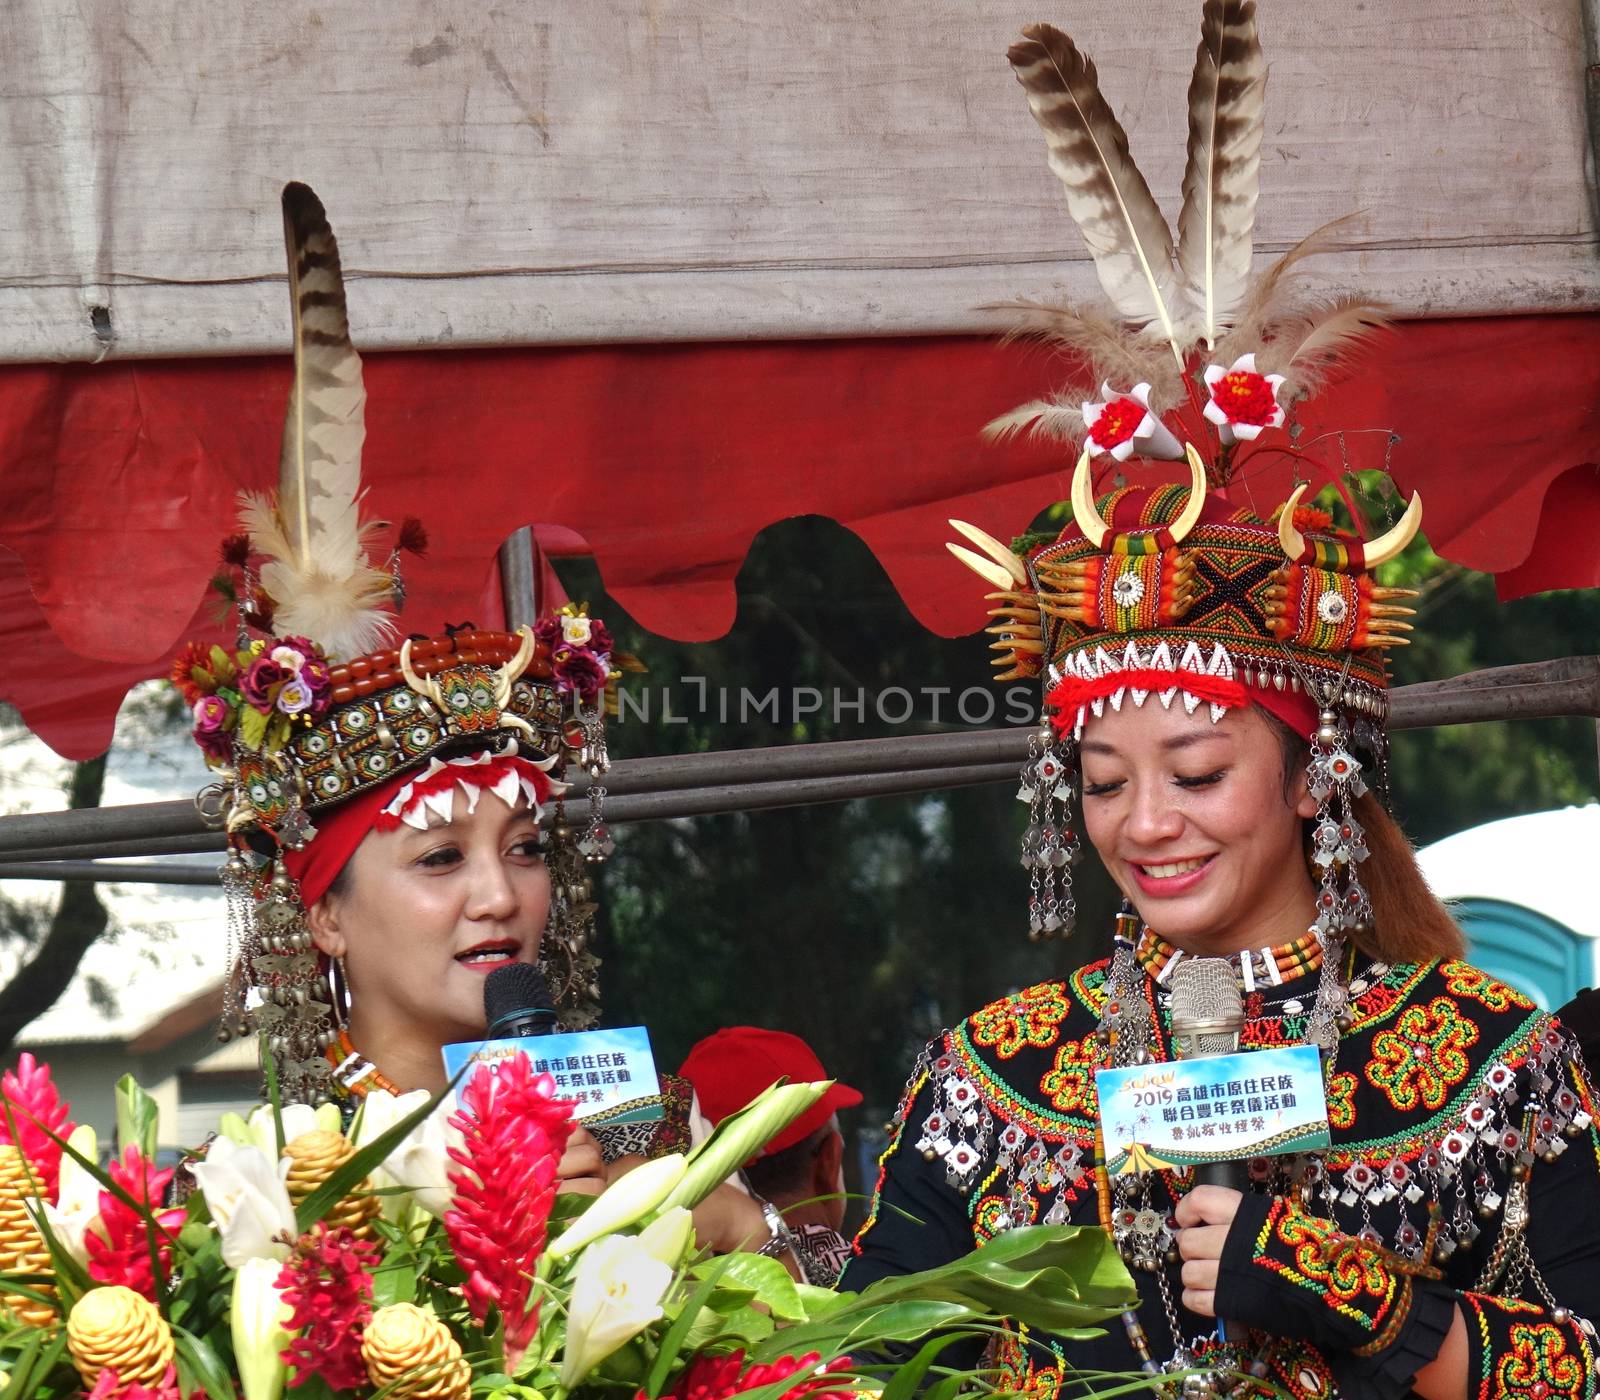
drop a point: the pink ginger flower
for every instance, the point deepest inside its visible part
(327, 1280)
(108, 1387)
(514, 1131)
(32, 1105)
(120, 1245)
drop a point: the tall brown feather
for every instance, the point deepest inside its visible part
(318, 572)
(1108, 352)
(1269, 298)
(1313, 348)
(1124, 228)
(1222, 179)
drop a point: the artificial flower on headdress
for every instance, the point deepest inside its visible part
(1124, 426)
(251, 696)
(580, 651)
(1242, 401)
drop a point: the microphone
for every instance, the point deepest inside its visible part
(1207, 1017)
(516, 1002)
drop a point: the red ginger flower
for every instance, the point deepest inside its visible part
(119, 1246)
(108, 1387)
(715, 1377)
(514, 1131)
(327, 1280)
(31, 1106)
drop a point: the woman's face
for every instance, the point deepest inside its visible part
(424, 917)
(1195, 824)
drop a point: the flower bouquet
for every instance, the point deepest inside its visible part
(424, 1254)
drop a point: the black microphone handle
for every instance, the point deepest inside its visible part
(1234, 1175)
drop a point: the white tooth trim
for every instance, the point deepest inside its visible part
(1271, 964)
(1247, 967)
(1166, 972)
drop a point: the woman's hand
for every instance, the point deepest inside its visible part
(582, 1169)
(1204, 1216)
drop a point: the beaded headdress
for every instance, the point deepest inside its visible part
(1174, 592)
(320, 717)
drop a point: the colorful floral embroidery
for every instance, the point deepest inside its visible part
(1019, 1373)
(993, 1214)
(1518, 1359)
(1028, 1018)
(1468, 981)
(1342, 1100)
(1348, 1274)
(1423, 1057)
(1069, 1082)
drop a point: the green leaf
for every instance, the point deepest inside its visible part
(199, 1365)
(818, 1302)
(394, 1283)
(672, 1342)
(767, 1279)
(907, 1379)
(138, 1118)
(252, 726)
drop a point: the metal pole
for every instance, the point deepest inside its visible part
(693, 784)
(519, 579)
(114, 872)
(1590, 11)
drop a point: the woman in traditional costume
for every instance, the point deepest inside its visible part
(395, 810)
(1216, 685)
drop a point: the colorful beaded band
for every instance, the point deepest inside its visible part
(1277, 965)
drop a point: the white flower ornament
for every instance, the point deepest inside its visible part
(1242, 401)
(1124, 426)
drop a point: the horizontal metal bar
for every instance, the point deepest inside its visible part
(112, 872)
(697, 784)
(76, 862)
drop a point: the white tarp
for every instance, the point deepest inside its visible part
(585, 170)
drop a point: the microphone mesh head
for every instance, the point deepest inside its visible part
(520, 987)
(1207, 1007)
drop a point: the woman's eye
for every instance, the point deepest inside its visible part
(529, 846)
(1202, 780)
(443, 856)
(1101, 789)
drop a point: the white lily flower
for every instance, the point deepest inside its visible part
(669, 1236)
(616, 1293)
(421, 1163)
(297, 1118)
(258, 1321)
(1124, 425)
(245, 1192)
(1242, 401)
(622, 1203)
(77, 1207)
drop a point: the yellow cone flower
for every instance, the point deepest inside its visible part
(116, 1328)
(313, 1157)
(409, 1348)
(22, 1247)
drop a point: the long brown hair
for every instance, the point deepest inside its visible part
(1409, 924)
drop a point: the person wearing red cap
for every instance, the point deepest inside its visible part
(801, 1170)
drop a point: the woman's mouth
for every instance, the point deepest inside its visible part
(1171, 877)
(485, 957)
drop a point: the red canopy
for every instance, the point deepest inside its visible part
(119, 479)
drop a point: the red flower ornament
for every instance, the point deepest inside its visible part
(514, 1131)
(120, 1246)
(327, 1282)
(1243, 402)
(1124, 426)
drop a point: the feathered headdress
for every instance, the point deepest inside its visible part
(318, 579)
(1175, 306)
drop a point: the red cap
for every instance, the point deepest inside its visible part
(735, 1065)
